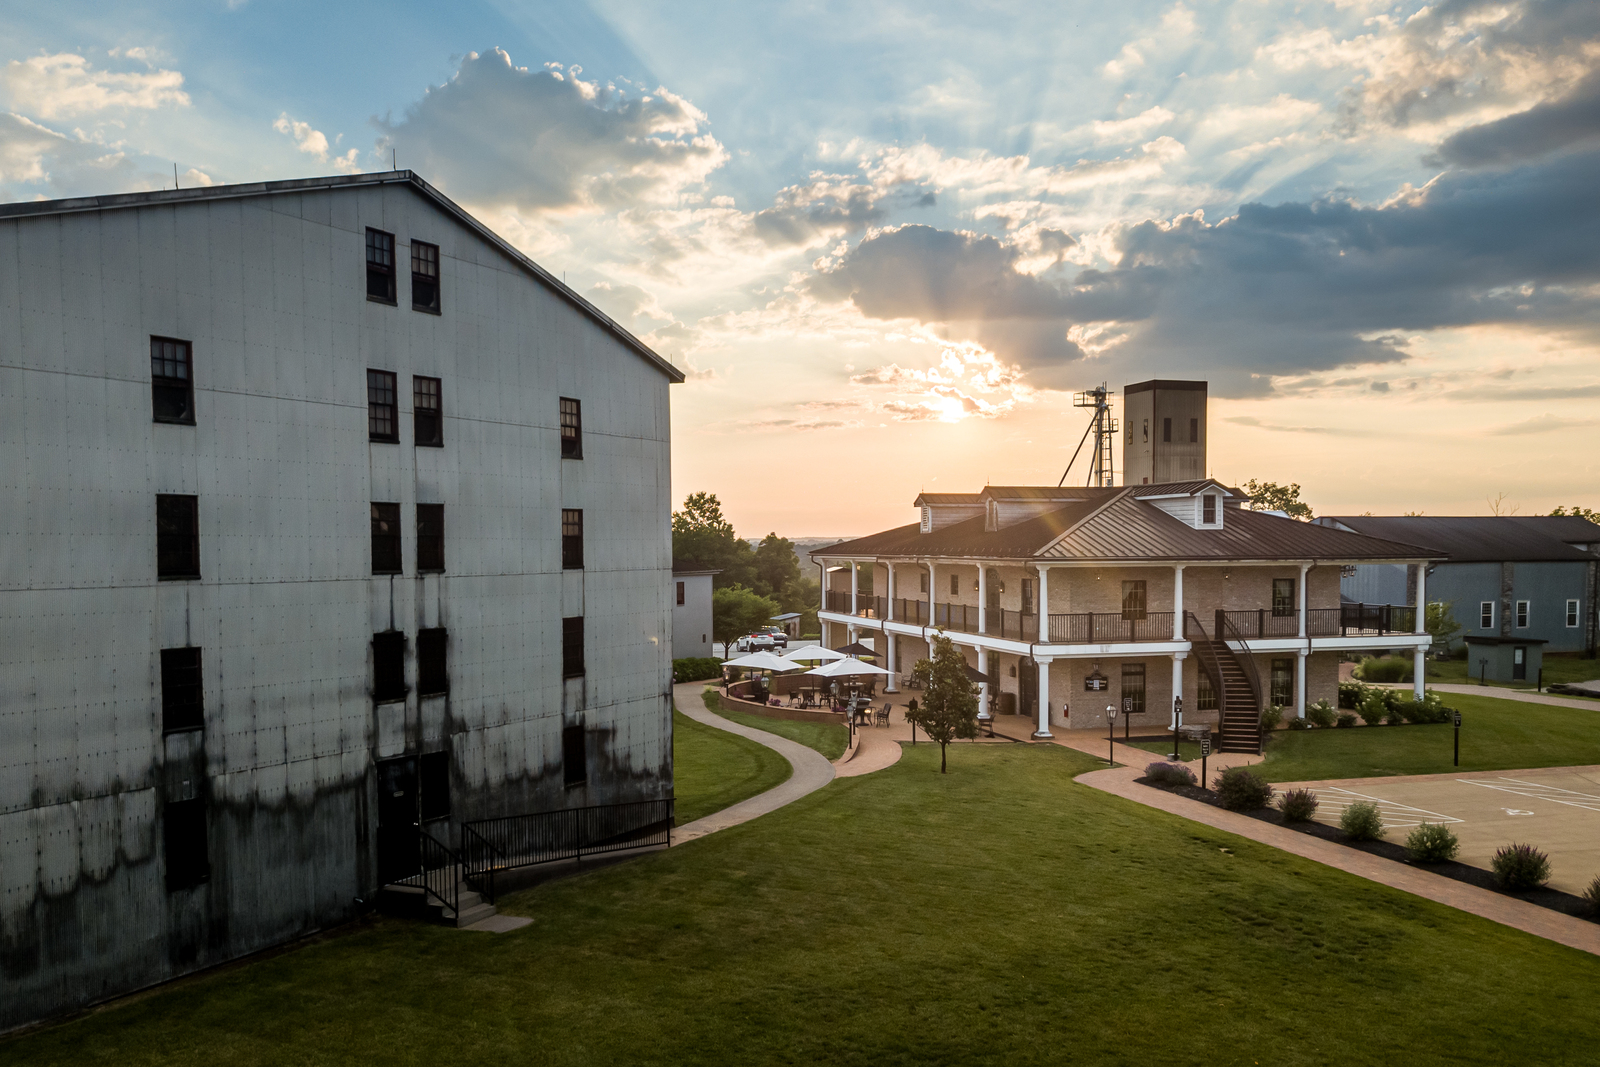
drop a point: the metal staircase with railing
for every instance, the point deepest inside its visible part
(1234, 679)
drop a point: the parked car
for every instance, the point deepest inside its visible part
(756, 642)
(780, 637)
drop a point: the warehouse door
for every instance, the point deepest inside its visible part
(398, 854)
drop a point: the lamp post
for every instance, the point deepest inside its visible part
(1457, 718)
(1111, 735)
(1127, 715)
(1177, 721)
(1483, 672)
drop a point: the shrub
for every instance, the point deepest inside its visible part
(1239, 789)
(1374, 709)
(1362, 821)
(1431, 843)
(1298, 805)
(1351, 694)
(1169, 774)
(1432, 708)
(1395, 717)
(1271, 716)
(1384, 669)
(1521, 867)
(1591, 896)
(1299, 724)
(1346, 720)
(1412, 711)
(696, 668)
(1321, 714)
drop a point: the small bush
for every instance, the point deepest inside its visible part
(1346, 720)
(1321, 714)
(1395, 717)
(1431, 843)
(1299, 724)
(1169, 774)
(696, 669)
(1351, 694)
(1412, 711)
(1298, 805)
(1362, 821)
(1519, 867)
(1239, 789)
(1384, 669)
(1271, 716)
(1432, 708)
(1374, 709)
(1591, 896)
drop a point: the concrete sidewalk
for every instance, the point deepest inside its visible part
(1525, 695)
(811, 770)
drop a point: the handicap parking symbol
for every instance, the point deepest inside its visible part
(1515, 811)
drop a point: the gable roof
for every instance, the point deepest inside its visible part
(1471, 538)
(1118, 527)
(120, 201)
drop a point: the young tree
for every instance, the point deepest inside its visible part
(1270, 496)
(1441, 624)
(949, 710)
(736, 611)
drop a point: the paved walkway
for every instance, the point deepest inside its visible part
(1508, 911)
(1512, 694)
(812, 770)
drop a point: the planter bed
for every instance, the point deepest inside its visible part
(1553, 899)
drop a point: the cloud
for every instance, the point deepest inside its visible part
(1131, 129)
(62, 85)
(311, 142)
(1546, 127)
(33, 153)
(1250, 420)
(1542, 424)
(548, 141)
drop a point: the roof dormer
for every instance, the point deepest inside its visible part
(1198, 505)
(939, 510)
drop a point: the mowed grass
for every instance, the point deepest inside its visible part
(1496, 734)
(1001, 914)
(828, 738)
(1562, 667)
(713, 769)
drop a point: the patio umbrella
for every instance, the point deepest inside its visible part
(762, 661)
(975, 675)
(856, 648)
(846, 668)
(812, 654)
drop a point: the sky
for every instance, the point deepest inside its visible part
(887, 242)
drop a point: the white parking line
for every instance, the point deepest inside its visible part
(1537, 791)
(1395, 814)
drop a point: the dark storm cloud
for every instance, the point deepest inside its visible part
(1573, 119)
(1285, 289)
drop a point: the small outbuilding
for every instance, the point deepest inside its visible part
(1505, 659)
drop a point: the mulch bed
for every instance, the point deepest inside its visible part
(1554, 899)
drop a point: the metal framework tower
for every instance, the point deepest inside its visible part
(1104, 429)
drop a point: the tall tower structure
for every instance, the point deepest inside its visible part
(1165, 438)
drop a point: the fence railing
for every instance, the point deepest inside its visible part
(1110, 627)
(511, 842)
(440, 874)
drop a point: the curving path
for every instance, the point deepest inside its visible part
(812, 770)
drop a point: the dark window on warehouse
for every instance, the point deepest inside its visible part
(386, 539)
(1283, 599)
(1283, 682)
(425, 277)
(680, 592)
(1133, 688)
(388, 666)
(380, 266)
(572, 647)
(1133, 600)
(427, 405)
(383, 409)
(572, 538)
(171, 380)
(183, 832)
(430, 537)
(1194, 431)
(177, 536)
(1166, 431)
(182, 696)
(574, 756)
(433, 670)
(433, 785)
(571, 429)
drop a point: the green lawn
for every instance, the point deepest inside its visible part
(1557, 668)
(828, 738)
(1187, 749)
(1496, 734)
(1001, 914)
(713, 768)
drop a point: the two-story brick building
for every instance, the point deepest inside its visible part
(1070, 599)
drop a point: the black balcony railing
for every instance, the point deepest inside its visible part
(514, 841)
(1110, 627)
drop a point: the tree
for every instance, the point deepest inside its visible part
(1441, 623)
(735, 611)
(948, 709)
(703, 537)
(776, 565)
(1270, 496)
(1578, 512)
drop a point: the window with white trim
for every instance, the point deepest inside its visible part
(1522, 614)
(1572, 613)
(1486, 615)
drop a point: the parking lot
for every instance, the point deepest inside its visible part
(1556, 809)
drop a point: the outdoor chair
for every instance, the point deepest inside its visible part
(883, 715)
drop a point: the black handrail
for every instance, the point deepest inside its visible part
(1226, 632)
(440, 874)
(515, 841)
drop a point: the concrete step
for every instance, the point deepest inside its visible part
(476, 913)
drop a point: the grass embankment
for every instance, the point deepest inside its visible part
(1188, 750)
(828, 738)
(713, 769)
(1000, 914)
(1562, 667)
(1496, 734)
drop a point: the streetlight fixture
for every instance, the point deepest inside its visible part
(1177, 721)
(1111, 736)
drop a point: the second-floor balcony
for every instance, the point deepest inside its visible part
(1111, 627)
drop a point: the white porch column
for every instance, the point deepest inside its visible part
(888, 590)
(1177, 687)
(932, 589)
(1043, 635)
(855, 582)
(1177, 602)
(1419, 659)
(983, 653)
(983, 598)
(1304, 567)
(1043, 732)
(1300, 686)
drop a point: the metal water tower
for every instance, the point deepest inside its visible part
(1104, 429)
